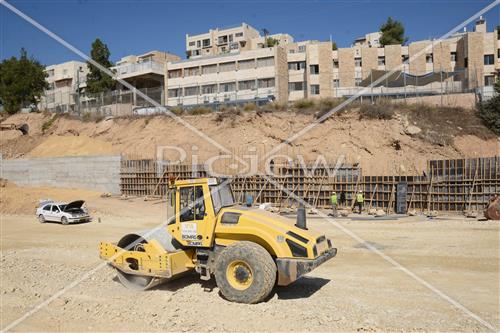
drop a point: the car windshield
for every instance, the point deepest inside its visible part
(222, 196)
(62, 207)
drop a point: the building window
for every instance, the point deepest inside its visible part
(246, 64)
(246, 85)
(453, 56)
(296, 65)
(230, 38)
(198, 43)
(192, 71)
(174, 73)
(265, 62)
(489, 80)
(405, 59)
(209, 89)
(51, 86)
(193, 53)
(314, 69)
(222, 40)
(266, 83)
(227, 87)
(429, 58)
(206, 43)
(335, 63)
(336, 83)
(291, 51)
(238, 34)
(314, 89)
(466, 62)
(227, 67)
(296, 86)
(209, 69)
(358, 62)
(172, 93)
(302, 48)
(489, 59)
(381, 61)
(191, 91)
(192, 43)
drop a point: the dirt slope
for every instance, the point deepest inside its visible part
(381, 146)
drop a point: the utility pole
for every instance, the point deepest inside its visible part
(78, 89)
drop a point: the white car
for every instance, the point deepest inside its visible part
(65, 213)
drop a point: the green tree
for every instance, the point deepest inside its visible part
(334, 46)
(22, 82)
(393, 33)
(270, 42)
(489, 111)
(98, 81)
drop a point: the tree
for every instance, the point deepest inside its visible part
(270, 42)
(393, 33)
(22, 82)
(97, 80)
(334, 46)
(489, 111)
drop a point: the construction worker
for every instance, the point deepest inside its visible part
(343, 199)
(249, 200)
(360, 199)
(333, 201)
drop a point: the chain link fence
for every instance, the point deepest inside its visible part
(112, 103)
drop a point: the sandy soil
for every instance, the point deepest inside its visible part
(360, 141)
(356, 291)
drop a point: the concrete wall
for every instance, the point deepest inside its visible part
(99, 173)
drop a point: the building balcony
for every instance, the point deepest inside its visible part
(136, 69)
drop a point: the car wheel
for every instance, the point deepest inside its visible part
(64, 220)
(41, 218)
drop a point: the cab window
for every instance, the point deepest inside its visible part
(55, 209)
(47, 208)
(192, 204)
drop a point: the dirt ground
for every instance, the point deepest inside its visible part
(356, 291)
(360, 141)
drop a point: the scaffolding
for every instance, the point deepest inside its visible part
(447, 185)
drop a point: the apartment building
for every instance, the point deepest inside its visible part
(64, 81)
(371, 39)
(235, 65)
(253, 75)
(232, 39)
(463, 62)
(145, 72)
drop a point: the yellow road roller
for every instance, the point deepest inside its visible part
(248, 250)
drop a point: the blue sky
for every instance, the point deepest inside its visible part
(135, 27)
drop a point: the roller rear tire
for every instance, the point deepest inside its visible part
(245, 272)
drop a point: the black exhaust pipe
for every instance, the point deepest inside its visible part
(301, 217)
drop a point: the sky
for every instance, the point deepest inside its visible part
(137, 26)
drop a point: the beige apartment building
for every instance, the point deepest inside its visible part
(64, 81)
(235, 65)
(145, 72)
(233, 39)
(312, 69)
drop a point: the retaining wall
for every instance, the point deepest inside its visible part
(99, 173)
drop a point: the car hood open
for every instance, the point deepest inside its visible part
(74, 205)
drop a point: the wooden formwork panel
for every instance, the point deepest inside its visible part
(447, 185)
